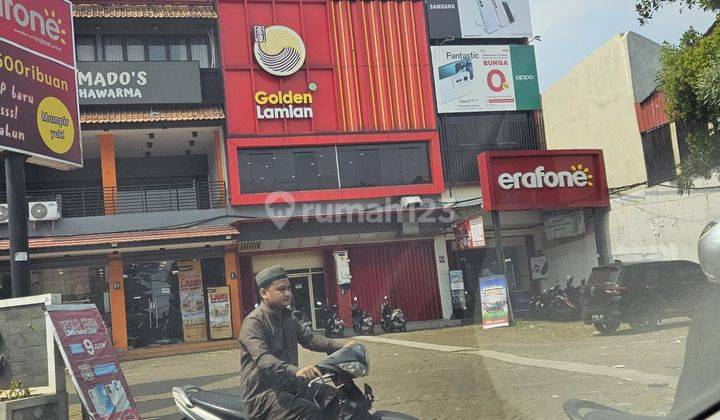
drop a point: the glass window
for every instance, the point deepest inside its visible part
(178, 50)
(113, 48)
(384, 164)
(360, 166)
(287, 169)
(135, 49)
(85, 48)
(75, 284)
(157, 50)
(200, 52)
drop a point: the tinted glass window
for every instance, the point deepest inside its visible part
(113, 48)
(287, 169)
(178, 50)
(383, 165)
(135, 49)
(85, 48)
(157, 51)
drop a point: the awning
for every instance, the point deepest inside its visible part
(133, 11)
(151, 114)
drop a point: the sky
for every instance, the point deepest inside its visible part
(572, 29)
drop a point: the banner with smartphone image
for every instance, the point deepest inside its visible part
(192, 301)
(91, 361)
(479, 19)
(483, 78)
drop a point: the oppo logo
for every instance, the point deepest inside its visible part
(43, 22)
(525, 77)
(578, 176)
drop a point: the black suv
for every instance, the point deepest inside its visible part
(640, 293)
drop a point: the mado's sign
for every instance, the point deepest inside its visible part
(139, 82)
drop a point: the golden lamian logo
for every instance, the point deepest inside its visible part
(279, 50)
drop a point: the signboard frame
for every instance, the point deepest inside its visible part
(50, 158)
(469, 19)
(224, 331)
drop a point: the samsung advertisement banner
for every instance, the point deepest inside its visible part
(481, 78)
(479, 19)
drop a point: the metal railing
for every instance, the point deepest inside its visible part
(85, 202)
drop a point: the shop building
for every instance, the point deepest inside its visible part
(331, 143)
(622, 114)
(136, 231)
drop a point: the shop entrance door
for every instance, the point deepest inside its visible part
(152, 302)
(308, 287)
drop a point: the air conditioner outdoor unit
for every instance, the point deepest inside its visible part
(3, 213)
(43, 210)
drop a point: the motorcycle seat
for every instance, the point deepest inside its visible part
(226, 405)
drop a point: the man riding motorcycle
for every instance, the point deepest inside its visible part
(272, 384)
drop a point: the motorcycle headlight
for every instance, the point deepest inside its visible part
(356, 369)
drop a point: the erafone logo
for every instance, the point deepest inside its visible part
(578, 176)
(42, 24)
(279, 50)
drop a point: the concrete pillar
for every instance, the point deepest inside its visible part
(109, 176)
(117, 302)
(443, 275)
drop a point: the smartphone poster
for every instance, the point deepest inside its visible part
(91, 361)
(494, 300)
(479, 19)
(484, 78)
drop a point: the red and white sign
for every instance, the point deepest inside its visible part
(543, 180)
(89, 356)
(470, 234)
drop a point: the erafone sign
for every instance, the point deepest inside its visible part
(577, 176)
(44, 26)
(479, 78)
(278, 50)
(38, 94)
(542, 180)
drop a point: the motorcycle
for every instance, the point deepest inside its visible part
(330, 320)
(554, 304)
(362, 322)
(304, 321)
(391, 320)
(340, 368)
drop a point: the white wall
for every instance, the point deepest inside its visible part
(656, 223)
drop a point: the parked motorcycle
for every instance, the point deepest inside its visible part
(554, 304)
(391, 319)
(362, 322)
(340, 368)
(330, 320)
(303, 319)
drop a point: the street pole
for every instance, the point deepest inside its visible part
(500, 256)
(17, 224)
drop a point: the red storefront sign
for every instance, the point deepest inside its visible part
(543, 180)
(325, 73)
(89, 356)
(38, 93)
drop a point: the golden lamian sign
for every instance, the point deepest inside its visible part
(283, 105)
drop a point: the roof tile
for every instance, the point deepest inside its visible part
(132, 11)
(150, 114)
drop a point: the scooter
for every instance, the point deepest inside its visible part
(362, 322)
(331, 321)
(391, 320)
(340, 368)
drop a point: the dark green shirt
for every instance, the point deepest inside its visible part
(269, 350)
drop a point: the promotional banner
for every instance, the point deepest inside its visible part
(470, 234)
(542, 180)
(482, 78)
(457, 290)
(479, 19)
(219, 309)
(91, 361)
(539, 266)
(494, 300)
(192, 301)
(38, 94)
